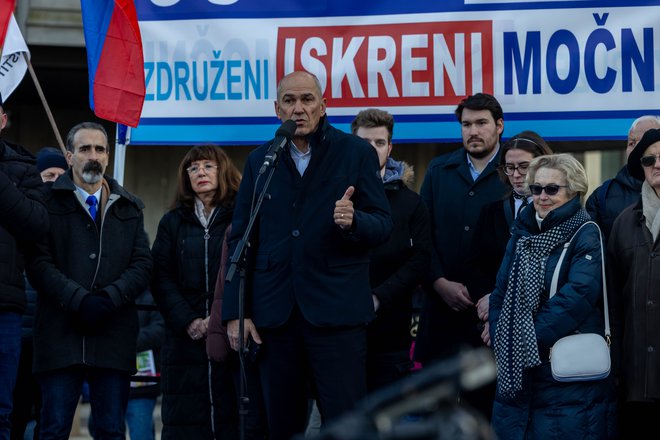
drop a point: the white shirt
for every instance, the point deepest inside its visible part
(299, 158)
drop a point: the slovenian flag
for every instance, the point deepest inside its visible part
(114, 59)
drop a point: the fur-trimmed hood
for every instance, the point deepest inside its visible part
(399, 170)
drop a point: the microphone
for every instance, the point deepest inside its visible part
(282, 136)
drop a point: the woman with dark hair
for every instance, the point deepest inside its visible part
(187, 252)
(493, 229)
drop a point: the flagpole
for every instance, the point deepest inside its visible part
(122, 139)
(45, 103)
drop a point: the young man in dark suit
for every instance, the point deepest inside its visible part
(455, 188)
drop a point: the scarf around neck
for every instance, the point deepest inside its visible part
(515, 342)
(650, 208)
(200, 213)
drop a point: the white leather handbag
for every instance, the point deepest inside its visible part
(581, 356)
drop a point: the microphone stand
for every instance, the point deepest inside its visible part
(239, 261)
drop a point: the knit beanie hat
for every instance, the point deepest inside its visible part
(48, 158)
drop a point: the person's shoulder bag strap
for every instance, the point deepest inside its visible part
(555, 276)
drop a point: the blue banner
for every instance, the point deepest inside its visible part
(570, 70)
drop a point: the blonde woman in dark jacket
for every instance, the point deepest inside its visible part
(525, 321)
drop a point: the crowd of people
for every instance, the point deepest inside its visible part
(283, 295)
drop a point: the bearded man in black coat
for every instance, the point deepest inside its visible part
(94, 263)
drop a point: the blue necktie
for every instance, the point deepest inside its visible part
(91, 201)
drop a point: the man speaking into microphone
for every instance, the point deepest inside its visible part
(283, 136)
(307, 296)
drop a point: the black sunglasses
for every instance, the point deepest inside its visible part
(649, 161)
(550, 190)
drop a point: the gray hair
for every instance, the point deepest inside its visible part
(83, 126)
(650, 118)
(569, 166)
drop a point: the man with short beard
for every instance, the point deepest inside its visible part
(88, 272)
(456, 186)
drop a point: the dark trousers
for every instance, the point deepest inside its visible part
(10, 349)
(297, 355)
(108, 397)
(27, 395)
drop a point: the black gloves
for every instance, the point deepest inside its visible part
(96, 310)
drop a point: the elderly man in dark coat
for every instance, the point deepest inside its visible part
(633, 265)
(608, 200)
(309, 293)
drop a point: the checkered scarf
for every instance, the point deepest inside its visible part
(515, 340)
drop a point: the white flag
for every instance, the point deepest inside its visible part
(12, 62)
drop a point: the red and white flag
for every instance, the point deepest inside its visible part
(12, 62)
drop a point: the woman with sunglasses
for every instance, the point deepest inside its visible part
(633, 262)
(493, 228)
(525, 322)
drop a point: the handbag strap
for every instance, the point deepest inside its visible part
(555, 275)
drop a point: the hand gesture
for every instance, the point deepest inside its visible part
(344, 212)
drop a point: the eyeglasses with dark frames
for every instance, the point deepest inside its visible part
(510, 168)
(649, 161)
(551, 189)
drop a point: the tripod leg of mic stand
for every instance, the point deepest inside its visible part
(244, 401)
(243, 405)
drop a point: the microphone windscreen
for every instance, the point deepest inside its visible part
(287, 129)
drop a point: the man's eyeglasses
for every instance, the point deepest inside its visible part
(208, 167)
(550, 190)
(649, 161)
(509, 169)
